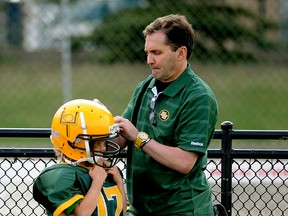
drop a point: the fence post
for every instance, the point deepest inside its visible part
(226, 166)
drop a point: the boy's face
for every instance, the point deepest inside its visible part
(104, 152)
(99, 146)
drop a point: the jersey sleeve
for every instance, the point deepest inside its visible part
(55, 190)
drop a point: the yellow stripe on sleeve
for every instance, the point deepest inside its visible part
(60, 210)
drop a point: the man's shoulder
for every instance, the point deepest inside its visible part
(141, 86)
(196, 82)
(145, 82)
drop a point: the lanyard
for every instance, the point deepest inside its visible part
(155, 93)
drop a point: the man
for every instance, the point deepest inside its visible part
(167, 126)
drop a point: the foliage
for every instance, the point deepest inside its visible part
(223, 32)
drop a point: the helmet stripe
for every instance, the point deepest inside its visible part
(83, 126)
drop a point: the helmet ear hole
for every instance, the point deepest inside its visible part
(76, 126)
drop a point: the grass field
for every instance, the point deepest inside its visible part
(252, 96)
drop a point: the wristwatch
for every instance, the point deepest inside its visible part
(142, 139)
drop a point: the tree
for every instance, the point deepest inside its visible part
(223, 32)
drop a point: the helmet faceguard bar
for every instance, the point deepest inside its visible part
(91, 138)
(96, 137)
(111, 150)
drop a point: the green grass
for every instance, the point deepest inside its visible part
(251, 96)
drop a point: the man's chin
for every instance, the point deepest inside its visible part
(155, 73)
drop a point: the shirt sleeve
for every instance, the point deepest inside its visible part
(128, 112)
(197, 122)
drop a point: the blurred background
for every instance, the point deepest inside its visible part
(52, 51)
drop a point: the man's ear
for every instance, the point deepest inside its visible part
(182, 53)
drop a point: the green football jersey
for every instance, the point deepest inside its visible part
(61, 187)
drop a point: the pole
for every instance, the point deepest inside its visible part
(226, 167)
(66, 52)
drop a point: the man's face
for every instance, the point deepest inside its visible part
(162, 60)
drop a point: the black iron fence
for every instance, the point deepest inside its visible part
(245, 181)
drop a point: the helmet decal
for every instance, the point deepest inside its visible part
(68, 118)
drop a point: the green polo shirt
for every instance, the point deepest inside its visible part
(186, 116)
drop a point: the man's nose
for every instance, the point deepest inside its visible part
(150, 59)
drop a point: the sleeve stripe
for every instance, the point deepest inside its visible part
(60, 210)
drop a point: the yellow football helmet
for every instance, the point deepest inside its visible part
(77, 125)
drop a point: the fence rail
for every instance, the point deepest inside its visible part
(245, 181)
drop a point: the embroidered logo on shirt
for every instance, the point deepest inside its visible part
(196, 143)
(164, 115)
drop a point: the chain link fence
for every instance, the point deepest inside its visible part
(16, 185)
(245, 181)
(259, 186)
(56, 50)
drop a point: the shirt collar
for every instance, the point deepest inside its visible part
(177, 84)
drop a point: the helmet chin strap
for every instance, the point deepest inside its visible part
(75, 163)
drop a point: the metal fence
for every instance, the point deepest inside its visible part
(246, 182)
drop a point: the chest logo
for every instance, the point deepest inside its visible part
(164, 115)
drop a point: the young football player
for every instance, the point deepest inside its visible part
(86, 180)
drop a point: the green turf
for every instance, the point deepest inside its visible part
(251, 96)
